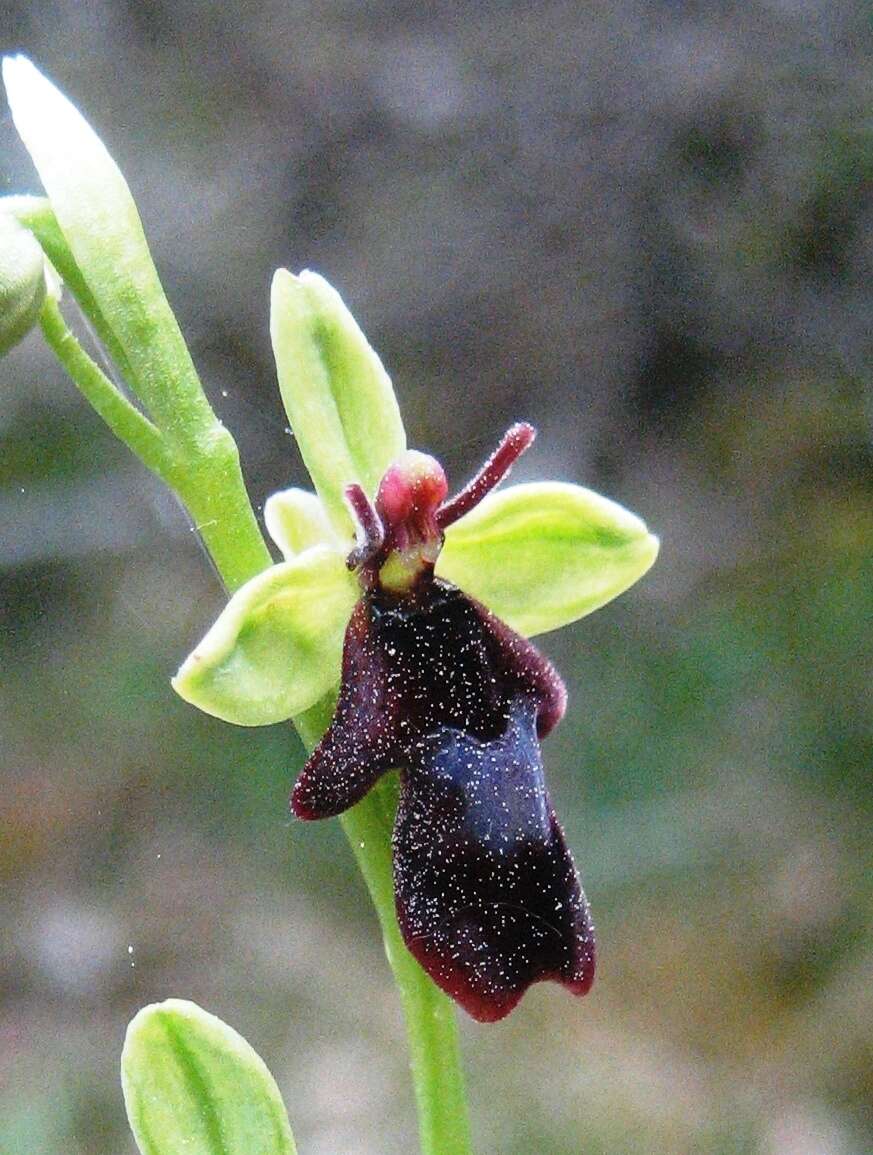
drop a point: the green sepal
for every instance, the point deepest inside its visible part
(296, 520)
(192, 1084)
(541, 555)
(277, 646)
(100, 223)
(22, 282)
(337, 395)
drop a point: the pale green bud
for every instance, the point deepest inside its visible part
(192, 1084)
(22, 281)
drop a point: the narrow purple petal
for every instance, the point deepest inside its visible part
(358, 746)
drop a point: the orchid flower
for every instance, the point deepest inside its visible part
(417, 610)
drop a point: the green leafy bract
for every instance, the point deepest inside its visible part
(192, 1085)
(99, 221)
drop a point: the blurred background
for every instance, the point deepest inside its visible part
(645, 227)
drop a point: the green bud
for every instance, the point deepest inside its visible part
(22, 282)
(337, 395)
(192, 1084)
(296, 520)
(541, 555)
(277, 646)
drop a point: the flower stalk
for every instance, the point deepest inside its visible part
(431, 1023)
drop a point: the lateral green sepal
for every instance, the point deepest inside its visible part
(276, 648)
(541, 555)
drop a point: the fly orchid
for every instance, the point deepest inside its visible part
(417, 608)
(381, 595)
(487, 897)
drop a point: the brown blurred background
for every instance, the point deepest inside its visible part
(645, 227)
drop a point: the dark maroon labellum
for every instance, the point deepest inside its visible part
(488, 899)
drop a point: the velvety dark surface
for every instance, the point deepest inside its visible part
(487, 895)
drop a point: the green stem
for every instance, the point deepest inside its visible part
(123, 418)
(205, 472)
(208, 479)
(212, 487)
(431, 1024)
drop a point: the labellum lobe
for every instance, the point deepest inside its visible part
(488, 899)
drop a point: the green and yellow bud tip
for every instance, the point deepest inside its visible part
(22, 281)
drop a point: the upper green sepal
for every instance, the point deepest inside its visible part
(337, 395)
(192, 1084)
(22, 281)
(541, 555)
(277, 646)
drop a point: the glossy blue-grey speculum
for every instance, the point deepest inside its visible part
(487, 896)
